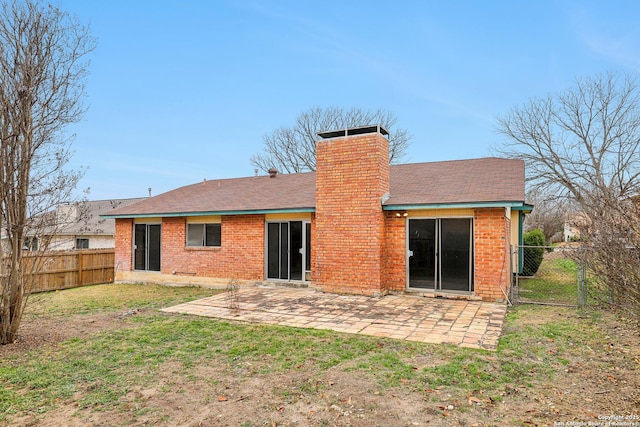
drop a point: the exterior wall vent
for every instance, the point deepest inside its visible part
(354, 131)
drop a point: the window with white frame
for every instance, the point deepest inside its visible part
(204, 235)
(30, 244)
(82, 243)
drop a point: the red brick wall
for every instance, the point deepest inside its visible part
(492, 237)
(241, 255)
(124, 244)
(352, 175)
(394, 274)
(491, 242)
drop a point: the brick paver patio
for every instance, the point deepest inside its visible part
(476, 324)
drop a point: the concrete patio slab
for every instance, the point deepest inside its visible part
(475, 324)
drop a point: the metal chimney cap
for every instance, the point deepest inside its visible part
(353, 131)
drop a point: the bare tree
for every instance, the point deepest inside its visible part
(549, 215)
(583, 144)
(293, 149)
(43, 68)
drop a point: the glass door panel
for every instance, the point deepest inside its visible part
(455, 254)
(284, 250)
(273, 251)
(153, 245)
(295, 250)
(422, 253)
(140, 247)
(307, 251)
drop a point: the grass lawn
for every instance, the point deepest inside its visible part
(555, 282)
(108, 357)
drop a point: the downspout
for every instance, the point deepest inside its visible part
(507, 218)
(520, 240)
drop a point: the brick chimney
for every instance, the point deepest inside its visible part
(352, 177)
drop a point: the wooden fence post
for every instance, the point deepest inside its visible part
(80, 281)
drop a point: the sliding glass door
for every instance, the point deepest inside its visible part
(440, 254)
(146, 247)
(288, 250)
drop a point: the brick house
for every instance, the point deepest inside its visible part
(356, 225)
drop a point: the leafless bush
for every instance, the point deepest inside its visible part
(231, 293)
(613, 256)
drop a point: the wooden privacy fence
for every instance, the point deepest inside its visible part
(64, 270)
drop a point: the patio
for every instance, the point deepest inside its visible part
(475, 324)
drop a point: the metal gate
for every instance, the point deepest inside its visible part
(553, 275)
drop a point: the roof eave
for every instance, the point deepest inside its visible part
(526, 208)
(459, 205)
(212, 213)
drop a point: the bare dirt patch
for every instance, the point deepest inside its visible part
(38, 332)
(600, 379)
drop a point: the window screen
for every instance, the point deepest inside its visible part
(212, 235)
(82, 243)
(204, 235)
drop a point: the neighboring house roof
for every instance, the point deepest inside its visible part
(83, 218)
(79, 219)
(466, 182)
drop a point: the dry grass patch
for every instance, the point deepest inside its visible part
(151, 368)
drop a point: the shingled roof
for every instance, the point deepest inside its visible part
(457, 181)
(417, 184)
(86, 219)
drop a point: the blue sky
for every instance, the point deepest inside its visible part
(185, 90)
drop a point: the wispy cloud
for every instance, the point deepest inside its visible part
(609, 39)
(335, 48)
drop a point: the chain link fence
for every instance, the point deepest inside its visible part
(554, 275)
